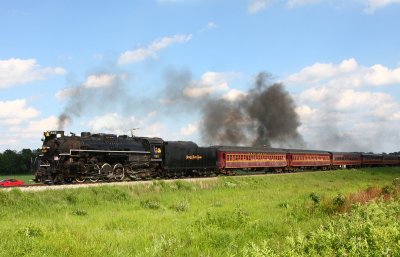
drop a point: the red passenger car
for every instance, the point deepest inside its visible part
(346, 160)
(372, 159)
(390, 159)
(251, 159)
(307, 158)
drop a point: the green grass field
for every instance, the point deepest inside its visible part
(208, 218)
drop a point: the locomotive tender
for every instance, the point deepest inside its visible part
(108, 157)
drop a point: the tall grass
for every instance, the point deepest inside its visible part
(207, 218)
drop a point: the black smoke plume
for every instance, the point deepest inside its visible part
(265, 116)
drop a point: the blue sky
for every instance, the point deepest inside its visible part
(339, 60)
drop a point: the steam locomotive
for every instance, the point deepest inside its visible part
(108, 157)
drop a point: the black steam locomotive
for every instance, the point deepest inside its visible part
(108, 157)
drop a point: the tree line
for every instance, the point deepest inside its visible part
(13, 162)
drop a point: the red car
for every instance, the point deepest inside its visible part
(11, 182)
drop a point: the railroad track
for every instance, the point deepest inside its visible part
(42, 187)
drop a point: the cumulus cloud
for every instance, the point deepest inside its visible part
(348, 73)
(20, 71)
(342, 108)
(150, 51)
(21, 126)
(209, 83)
(119, 124)
(113, 123)
(100, 80)
(26, 133)
(234, 95)
(94, 81)
(15, 111)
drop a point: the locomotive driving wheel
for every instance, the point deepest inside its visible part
(96, 173)
(80, 179)
(118, 172)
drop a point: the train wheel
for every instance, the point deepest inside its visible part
(96, 173)
(80, 179)
(93, 179)
(118, 172)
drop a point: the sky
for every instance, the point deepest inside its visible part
(114, 66)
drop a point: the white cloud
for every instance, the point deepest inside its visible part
(67, 92)
(26, 133)
(190, 129)
(210, 83)
(20, 125)
(234, 95)
(96, 81)
(13, 112)
(19, 71)
(122, 125)
(151, 50)
(342, 110)
(113, 123)
(257, 5)
(101, 80)
(348, 73)
(307, 113)
(297, 3)
(372, 5)
(210, 25)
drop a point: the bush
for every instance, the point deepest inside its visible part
(315, 198)
(339, 200)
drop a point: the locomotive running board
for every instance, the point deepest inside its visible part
(105, 151)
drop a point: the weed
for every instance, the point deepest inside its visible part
(182, 185)
(71, 199)
(181, 206)
(316, 199)
(230, 184)
(284, 205)
(79, 212)
(151, 204)
(339, 200)
(31, 231)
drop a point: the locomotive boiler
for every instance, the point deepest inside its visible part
(68, 158)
